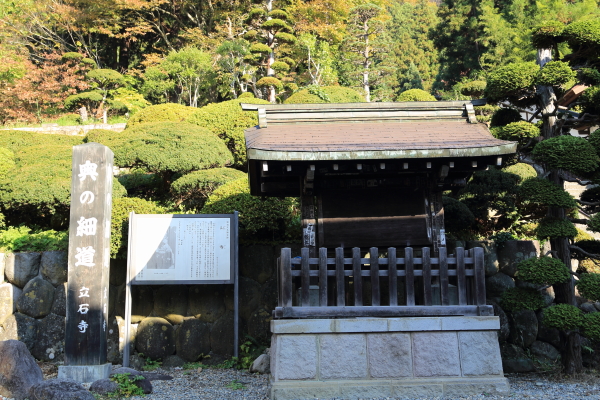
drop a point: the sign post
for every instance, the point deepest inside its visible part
(88, 264)
(182, 249)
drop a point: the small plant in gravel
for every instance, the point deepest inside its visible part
(235, 385)
(227, 364)
(127, 386)
(151, 365)
(194, 365)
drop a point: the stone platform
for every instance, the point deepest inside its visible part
(382, 357)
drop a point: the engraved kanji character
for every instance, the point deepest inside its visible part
(86, 226)
(82, 326)
(87, 169)
(84, 292)
(83, 308)
(86, 197)
(85, 256)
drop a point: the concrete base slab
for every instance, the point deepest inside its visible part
(84, 373)
(407, 388)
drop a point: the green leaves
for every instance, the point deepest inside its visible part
(589, 286)
(543, 192)
(567, 152)
(543, 271)
(563, 316)
(507, 81)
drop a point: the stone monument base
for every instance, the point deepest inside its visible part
(384, 357)
(84, 373)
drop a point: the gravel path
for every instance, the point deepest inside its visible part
(210, 383)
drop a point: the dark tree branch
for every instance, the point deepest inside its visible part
(585, 253)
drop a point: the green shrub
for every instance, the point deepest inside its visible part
(473, 88)
(7, 161)
(567, 152)
(555, 73)
(547, 34)
(583, 33)
(591, 326)
(589, 76)
(542, 191)
(267, 219)
(97, 135)
(169, 112)
(563, 316)
(507, 81)
(192, 190)
(228, 121)
(554, 228)
(593, 224)
(457, 216)
(69, 120)
(505, 116)
(325, 94)
(590, 100)
(268, 81)
(118, 190)
(518, 299)
(246, 95)
(519, 131)
(522, 170)
(119, 229)
(15, 239)
(594, 140)
(589, 286)
(415, 95)
(543, 271)
(166, 148)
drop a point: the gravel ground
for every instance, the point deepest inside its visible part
(216, 384)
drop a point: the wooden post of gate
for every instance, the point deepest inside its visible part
(88, 265)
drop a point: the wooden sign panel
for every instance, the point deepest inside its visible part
(89, 255)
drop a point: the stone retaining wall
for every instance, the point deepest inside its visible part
(383, 357)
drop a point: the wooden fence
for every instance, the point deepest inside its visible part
(398, 286)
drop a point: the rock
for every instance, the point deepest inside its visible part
(514, 251)
(118, 271)
(116, 339)
(497, 284)
(59, 389)
(173, 361)
(144, 384)
(546, 334)
(490, 255)
(206, 302)
(221, 335)
(504, 331)
(514, 359)
(597, 305)
(261, 365)
(523, 328)
(104, 386)
(142, 302)
(256, 262)
(544, 352)
(155, 338)
(193, 339)
(2, 266)
(50, 343)
(18, 370)
(136, 361)
(53, 266)
(36, 300)
(259, 325)
(20, 268)
(249, 297)
(9, 294)
(170, 303)
(20, 327)
(268, 291)
(588, 308)
(59, 306)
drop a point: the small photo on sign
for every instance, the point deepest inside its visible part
(164, 256)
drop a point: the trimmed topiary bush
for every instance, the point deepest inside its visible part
(589, 286)
(505, 116)
(567, 152)
(583, 33)
(590, 100)
(269, 81)
(119, 229)
(457, 215)
(554, 228)
(267, 219)
(594, 140)
(522, 170)
(328, 94)
(7, 161)
(415, 95)
(170, 112)
(192, 190)
(555, 73)
(543, 271)
(563, 316)
(542, 191)
(547, 34)
(506, 81)
(520, 131)
(228, 121)
(518, 299)
(97, 135)
(593, 224)
(591, 326)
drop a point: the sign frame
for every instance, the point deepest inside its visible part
(234, 273)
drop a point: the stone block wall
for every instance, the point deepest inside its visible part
(383, 357)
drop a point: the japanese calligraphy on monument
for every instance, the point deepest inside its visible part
(181, 248)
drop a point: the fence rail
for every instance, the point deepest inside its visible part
(398, 286)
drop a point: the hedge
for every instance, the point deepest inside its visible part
(519, 131)
(228, 121)
(192, 190)
(505, 116)
(325, 94)
(524, 171)
(554, 228)
(415, 95)
(518, 299)
(562, 316)
(506, 81)
(589, 286)
(161, 113)
(567, 152)
(457, 216)
(543, 271)
(542, 191)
